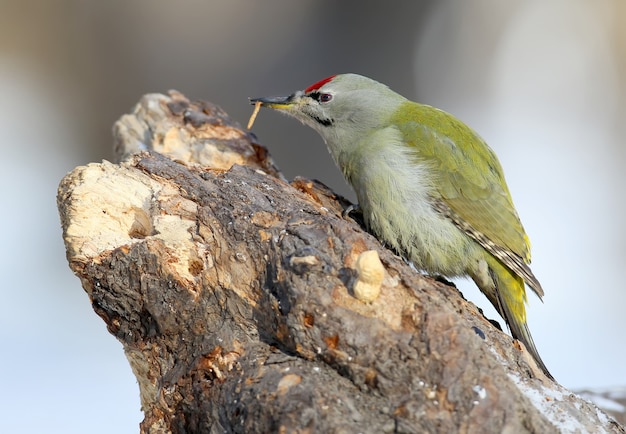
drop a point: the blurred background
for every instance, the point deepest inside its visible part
(543, 82)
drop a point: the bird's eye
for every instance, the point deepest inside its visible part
(325, 97)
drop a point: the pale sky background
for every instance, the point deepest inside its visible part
(542, 82)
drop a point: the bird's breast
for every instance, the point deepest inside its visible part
(395, 191)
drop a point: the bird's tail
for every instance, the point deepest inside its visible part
(510, 294)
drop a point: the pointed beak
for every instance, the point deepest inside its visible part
(276, 102)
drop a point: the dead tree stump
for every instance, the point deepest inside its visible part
(232, 292)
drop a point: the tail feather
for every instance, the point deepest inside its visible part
(510, 301)
(521, 332)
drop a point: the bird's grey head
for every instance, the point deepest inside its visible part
(340, 103)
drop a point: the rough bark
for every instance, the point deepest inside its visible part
(231, 291)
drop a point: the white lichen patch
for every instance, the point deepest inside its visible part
(480, 391)
(562, 408)
(606, 398)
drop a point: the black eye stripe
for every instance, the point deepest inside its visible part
(321, 97)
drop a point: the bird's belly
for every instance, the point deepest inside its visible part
(396, 204)
(427, 239)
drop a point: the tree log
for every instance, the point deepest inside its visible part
(233, 294)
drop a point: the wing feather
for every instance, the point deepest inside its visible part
(470, 184)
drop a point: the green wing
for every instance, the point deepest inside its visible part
(470, 179)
